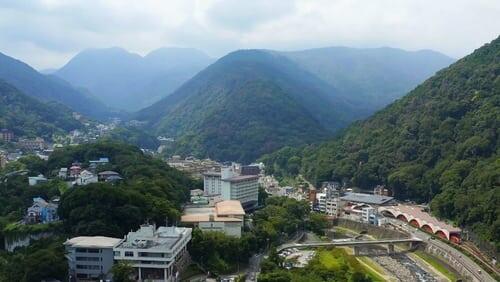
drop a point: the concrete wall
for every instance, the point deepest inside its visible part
(23, 240)
(376, 231)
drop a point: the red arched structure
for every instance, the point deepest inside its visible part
(455, 238)
(388, 213)
(402, 218)
(427, 228)
(414, 223)
(441, 234)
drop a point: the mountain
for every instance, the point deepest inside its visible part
(26, 116)
(248, 103)
(128, 81)
(439, 142)
(375, 76)
(48, 87)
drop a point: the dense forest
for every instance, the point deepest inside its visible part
(26, 116)
(439, 142)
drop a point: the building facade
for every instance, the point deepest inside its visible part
(6, 135)
(155, 254)
(90, 258)
(42, 211)
(212, 183)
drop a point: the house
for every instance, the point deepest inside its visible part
(109, 175)
(226, 217)
(74, 170)
(86, 177)
(63, 173)
(155, 254)
(90, 258)
(3, 160)
(35, 180)
(42, 211)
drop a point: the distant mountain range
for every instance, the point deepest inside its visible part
(128, 81)
(439, 142)
(375, 76)
(48, 88)
(26, 116)
(255, 101)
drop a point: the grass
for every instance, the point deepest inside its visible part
(375, 271)
(436, 264)
(336, 258)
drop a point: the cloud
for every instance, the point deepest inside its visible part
(46, 33)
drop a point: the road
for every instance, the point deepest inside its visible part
(468, 263)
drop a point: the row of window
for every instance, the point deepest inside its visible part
(142, 254)
(88, 258)
(90, 267)
(84, 250)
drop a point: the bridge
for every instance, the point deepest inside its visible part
(354, 243)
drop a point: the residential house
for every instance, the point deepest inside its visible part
(42, 211)
(86, 177)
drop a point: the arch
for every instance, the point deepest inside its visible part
(427, 228)
(402, 217)
(441, 234)
(388, 213)
(455, 238)
(414, 222)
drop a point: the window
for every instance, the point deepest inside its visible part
(129, 254)
(116, 253)
(94, 251)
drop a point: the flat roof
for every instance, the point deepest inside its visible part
(366, 198)
(241, 178)
(229, 207)
(92, 242)
(147, 238)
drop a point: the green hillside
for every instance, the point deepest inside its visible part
(26, 116)
(49, 88)
(439, 142)
(246, 104)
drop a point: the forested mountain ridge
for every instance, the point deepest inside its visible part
(129, 81)
(439, 142)
(373, 76)
(248, 103)
(26, 116)
(48, 88)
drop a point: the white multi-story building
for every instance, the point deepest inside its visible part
(155, 254)
(368, 215)
(90, 258)
(329, 205)
(233, 186)
(212, 183)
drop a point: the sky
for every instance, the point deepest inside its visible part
(48, 33)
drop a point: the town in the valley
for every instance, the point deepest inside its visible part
(372, 225)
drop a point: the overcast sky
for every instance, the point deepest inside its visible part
(47, 33)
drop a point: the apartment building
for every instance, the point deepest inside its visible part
(155, 254)
(90, 258)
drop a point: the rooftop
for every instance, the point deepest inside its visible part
(230, 207)
(205, 217)
(417, 212)
(163, 238)
(241, 178)
(366, 198)
(92, 242)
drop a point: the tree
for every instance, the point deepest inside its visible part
(123, 272)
